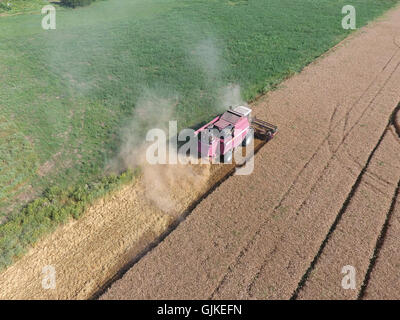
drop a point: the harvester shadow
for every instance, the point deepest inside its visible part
(395, 119)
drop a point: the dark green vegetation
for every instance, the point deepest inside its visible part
(76, 3)
(45, 213)
(17, 6)
(65, 94)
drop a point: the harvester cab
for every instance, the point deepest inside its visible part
(227, 131)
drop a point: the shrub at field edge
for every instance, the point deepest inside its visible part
(76, 3)
(55, 207)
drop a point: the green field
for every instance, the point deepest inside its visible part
(65, 94)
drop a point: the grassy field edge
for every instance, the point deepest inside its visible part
(54, 208)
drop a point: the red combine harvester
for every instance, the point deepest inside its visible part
(234, 127)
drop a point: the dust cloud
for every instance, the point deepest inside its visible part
(166, 185)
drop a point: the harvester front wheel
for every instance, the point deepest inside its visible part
(249, 138)
(227, 157)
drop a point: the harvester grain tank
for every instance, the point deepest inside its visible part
(229, 130)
